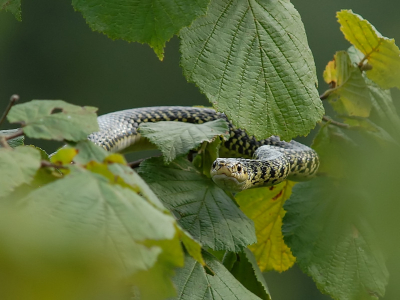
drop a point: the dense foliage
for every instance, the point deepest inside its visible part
(82, 224)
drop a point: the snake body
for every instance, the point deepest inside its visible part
(272, 160)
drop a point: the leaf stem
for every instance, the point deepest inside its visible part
(330, 121)
(3, 142)
(325, 95)
(13, 100)
(47, 164)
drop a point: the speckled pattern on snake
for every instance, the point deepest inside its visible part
(252, 163)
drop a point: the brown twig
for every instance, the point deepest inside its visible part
(47, 164)
(3, 142)
(136, 163)
(18, 133)
(325, 95)
(330, 121)
(13, 100)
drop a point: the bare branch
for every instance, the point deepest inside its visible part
(3, 142)
(330, 121)
(18, 133)
(13, 100)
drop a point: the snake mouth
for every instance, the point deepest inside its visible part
(226, 175)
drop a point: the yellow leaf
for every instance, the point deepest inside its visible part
(330, 76)
(265, 207)
(115, 158)
(380, 52)
(64, 156)
(349, 95)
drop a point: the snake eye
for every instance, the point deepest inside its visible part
(214, 164)
(239, 168)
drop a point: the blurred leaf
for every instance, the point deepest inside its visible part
(178, 138)
(328, 231)
(265, 207)
(194, 281)
(381, 100)
(88, 151)
(13, 6)
(148, 22)
(15, 142)
(121, 220)
(381, 52)
(64, 156)
(54, 119)
(335, 150)
(246, 271)
(49, 262)
(349, 95)
(252, 61)
(201, 207)
(17, 167)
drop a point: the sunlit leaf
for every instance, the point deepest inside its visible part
(326, 227)
(201, 207)
(148, 22)
(211, 282)
(265, 207)
(54, 119)
(13, 6)
(17, 167)
(252, 61)
(349, 94)
(64, 156)
(380, 52)
(181, 136)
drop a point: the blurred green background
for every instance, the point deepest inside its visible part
(53, 54)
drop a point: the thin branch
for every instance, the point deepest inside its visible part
(325, 95)
(3, 142)
(18, 133)
(47, 164)
(330, 121)
(13, 100)
(136, 163)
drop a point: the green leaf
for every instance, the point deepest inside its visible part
(15, 142)
(17, 167)
(151, 22)
(208, 153)
(265, 207)
(212, 282)
(54, 119)
(252, 61)
(380, 52)
(182, 137)
(13, 6)
(329, 233)
(201, 207)
(246, 271)
(349, 95)
(381, 100)
(120, 219)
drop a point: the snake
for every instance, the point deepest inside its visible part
(245, 162)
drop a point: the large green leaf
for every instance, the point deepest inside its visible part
(151, 22)
(201, 207)
(13, 6)
(122, 221)
(380, 52)
(182, 137)
(17, 167)
(54, 119)
(251, 59)
(349, 95)
(212, 282)
(327, 228)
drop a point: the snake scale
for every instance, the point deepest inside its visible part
(262, 163)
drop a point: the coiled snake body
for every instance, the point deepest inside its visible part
(272, 160)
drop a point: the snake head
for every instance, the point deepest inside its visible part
(229, 174)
